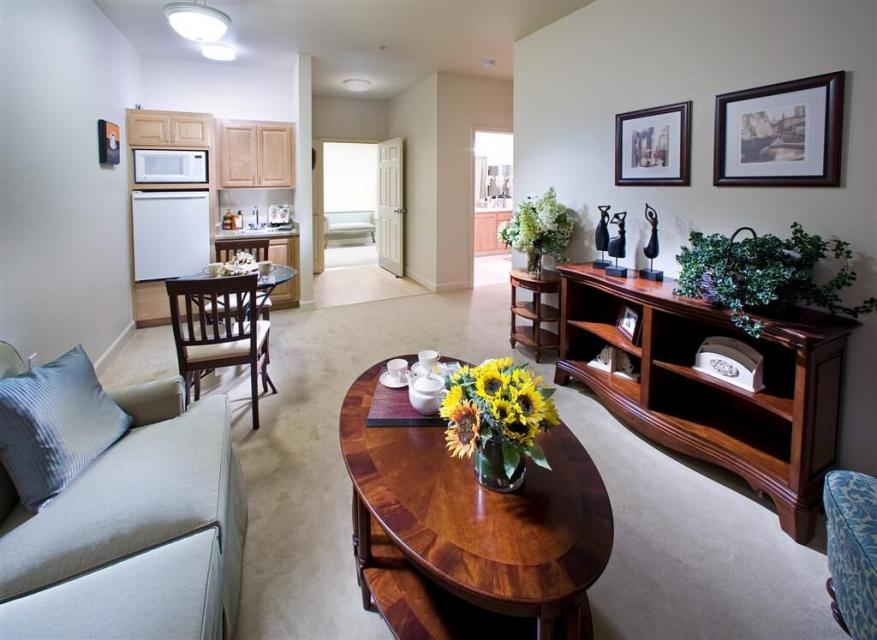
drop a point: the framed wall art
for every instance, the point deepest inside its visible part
(109, 141)
(786, 134)
(653, 146)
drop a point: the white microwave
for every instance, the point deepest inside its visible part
(170, 166)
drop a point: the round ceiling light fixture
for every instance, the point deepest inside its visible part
(221, 52)
(197, 22)
(487, 63)
(357, 84)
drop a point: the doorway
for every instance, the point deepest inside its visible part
(353, 234)
(349, 197)
(492, 205)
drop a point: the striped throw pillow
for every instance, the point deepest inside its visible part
(54, 421)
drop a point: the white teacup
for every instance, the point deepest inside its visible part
(265, 268)
(212, 269)
(398, 368)
(428, 359)
(425, 393)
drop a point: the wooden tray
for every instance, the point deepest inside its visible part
(391, 408)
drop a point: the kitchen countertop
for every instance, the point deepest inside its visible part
(227, 235)
(480, 211)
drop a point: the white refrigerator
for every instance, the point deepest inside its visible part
(171, 233)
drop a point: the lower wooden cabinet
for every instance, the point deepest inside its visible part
(487, 226)
(285, 251)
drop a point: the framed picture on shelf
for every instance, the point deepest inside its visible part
(653, 146)
(628, 323)
(786, 134)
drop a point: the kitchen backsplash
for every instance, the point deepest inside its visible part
(245, 199)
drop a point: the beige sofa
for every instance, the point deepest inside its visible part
(147, 542)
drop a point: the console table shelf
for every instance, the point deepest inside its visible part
(781, 440)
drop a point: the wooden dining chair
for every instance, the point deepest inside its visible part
(228, 340)
(226, 250)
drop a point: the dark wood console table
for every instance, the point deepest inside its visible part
(537, 312)
(781, 440)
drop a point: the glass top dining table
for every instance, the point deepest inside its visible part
(279, 276)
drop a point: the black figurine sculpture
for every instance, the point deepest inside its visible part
(617, 246)
(601, 236)
(652, 248)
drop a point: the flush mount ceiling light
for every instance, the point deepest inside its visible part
(487, 63)
(197, 21)
(220, 52)
(356, 84)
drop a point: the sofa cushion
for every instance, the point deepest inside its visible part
(851, 520)
(156, 484)
(351, 226)
(54, 420)
(133, 598)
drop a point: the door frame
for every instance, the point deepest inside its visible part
(319, 242)
(474, 129)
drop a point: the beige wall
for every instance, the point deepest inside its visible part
(465, 103)
(413, 116)
(350, 118)
(64, 221)
(573, 76)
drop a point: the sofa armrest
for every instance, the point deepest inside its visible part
(152, 402)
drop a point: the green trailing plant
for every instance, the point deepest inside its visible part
(541, 226)
(768, 275)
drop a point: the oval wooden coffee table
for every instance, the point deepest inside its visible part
(442, 557)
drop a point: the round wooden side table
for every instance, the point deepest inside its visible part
(535, 336)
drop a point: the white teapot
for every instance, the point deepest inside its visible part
(425, 392)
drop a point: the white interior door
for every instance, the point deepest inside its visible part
(391, 206)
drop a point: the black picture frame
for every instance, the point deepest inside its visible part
(109, 142)
(684, 150)
(832, 139)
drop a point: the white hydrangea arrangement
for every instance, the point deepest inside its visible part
(540, 226)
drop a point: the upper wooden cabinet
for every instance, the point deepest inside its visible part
(169, 129)
(257, 154)
(238, 155)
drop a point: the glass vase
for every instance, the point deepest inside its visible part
(490, 468)
(534, 262)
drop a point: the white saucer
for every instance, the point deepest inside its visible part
(388, 381)
(418, 370)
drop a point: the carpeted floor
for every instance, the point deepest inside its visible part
(696, 554)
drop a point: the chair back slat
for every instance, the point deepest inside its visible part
(227, 250)
(229, 324)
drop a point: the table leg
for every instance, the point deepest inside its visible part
(353, 505)
(545, 627)
(512, 340)
(537, 310)
(363, 548)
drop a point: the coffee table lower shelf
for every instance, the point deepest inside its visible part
(414, 607)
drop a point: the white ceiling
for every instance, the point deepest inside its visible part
(344, 36)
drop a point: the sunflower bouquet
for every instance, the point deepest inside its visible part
(494, 412)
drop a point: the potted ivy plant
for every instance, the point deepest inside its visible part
(766, 275)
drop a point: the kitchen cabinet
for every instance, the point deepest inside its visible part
(257, 154)
(285, 251)
(169, 129)
(487, 225)
(238, 155)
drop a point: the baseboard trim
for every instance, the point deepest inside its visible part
(307, 305)
(419, 279)
(453, 286)
(103, 362)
